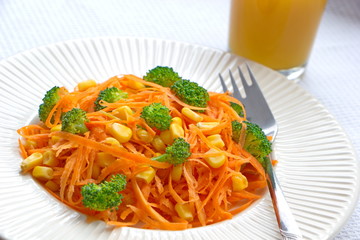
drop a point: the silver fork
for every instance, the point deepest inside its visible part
(259, 113)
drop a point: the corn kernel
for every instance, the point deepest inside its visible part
(50, 159)
(176, 172)
(144, 135)
(30, 144)
(121, 132)
(111, 141)
(147, 175)
(191, 114)
(56, 128)
(216, 140)
(122, 112)
(32, 161)
(104, 159)
(82, 86)
(96, 170)
(215, 161)
(166, 137)
(158, 144)
(55, 139)
(43, 173)
(53, 186)
(177, 120)
(209, 126)
(157, 154)
(176, 131)
(133, 84)
(183, 210)
(239, 182)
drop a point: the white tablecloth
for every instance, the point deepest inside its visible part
(333, 74)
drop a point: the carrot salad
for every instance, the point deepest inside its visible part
(217, 180)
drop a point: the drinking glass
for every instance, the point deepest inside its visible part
(276, 33)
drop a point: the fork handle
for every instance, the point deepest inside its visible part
(287, 224)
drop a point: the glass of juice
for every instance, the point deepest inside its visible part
(276, 33)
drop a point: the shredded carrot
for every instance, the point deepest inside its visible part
(24, 154)
(207, 191)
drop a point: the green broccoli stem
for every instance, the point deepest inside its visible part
(265, 162)
(82, 128)
(162, 158)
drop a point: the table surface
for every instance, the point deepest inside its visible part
(332, 75)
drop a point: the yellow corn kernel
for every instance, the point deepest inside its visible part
(53, 186)
(30, 144)
(191, 114)
(55, 139)
(122, 112)
(147, 175)
(144, 135)
(158, 144)
(166, 137)
(215, 161)
(239, 182)
(82, 86)
(50, 159)
(120, 132)
(183, 210)
(43, 173)
(56, 128)
(176, 172)
(209, 126)
(216, 140)
(32, 161)
(104, 159)
(96, 170)
(177, 120)
(133, 84)
(157, 154)
(176, 131)
(111, 141)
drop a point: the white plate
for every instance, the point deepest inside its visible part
(317, 165)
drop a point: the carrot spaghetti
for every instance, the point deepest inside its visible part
(218, 180)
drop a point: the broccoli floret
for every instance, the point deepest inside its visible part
(157, 115)
(164, 76)
(74, 120)
(236, 127)
(109, 95)
(175, 154)
(49, 101)
(256, 142)
(238, 109)
(105, 195)
(191, 93)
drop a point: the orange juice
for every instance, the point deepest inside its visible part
(275, 33)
